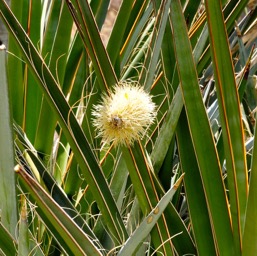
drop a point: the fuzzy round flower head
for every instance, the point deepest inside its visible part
(124, 115)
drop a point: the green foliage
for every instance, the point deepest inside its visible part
(185, 188)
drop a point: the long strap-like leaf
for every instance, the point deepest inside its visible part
(69, 124)
(89, 33)
(230, 115)
(201, 134)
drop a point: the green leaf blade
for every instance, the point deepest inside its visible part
(230, 113)
(201, 134)
(67, 233)
(71, 128)
(148, 223)
(250, 230)
(8, 201)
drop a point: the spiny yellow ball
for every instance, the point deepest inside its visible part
(124, 116)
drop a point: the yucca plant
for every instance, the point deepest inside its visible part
(143, 147)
